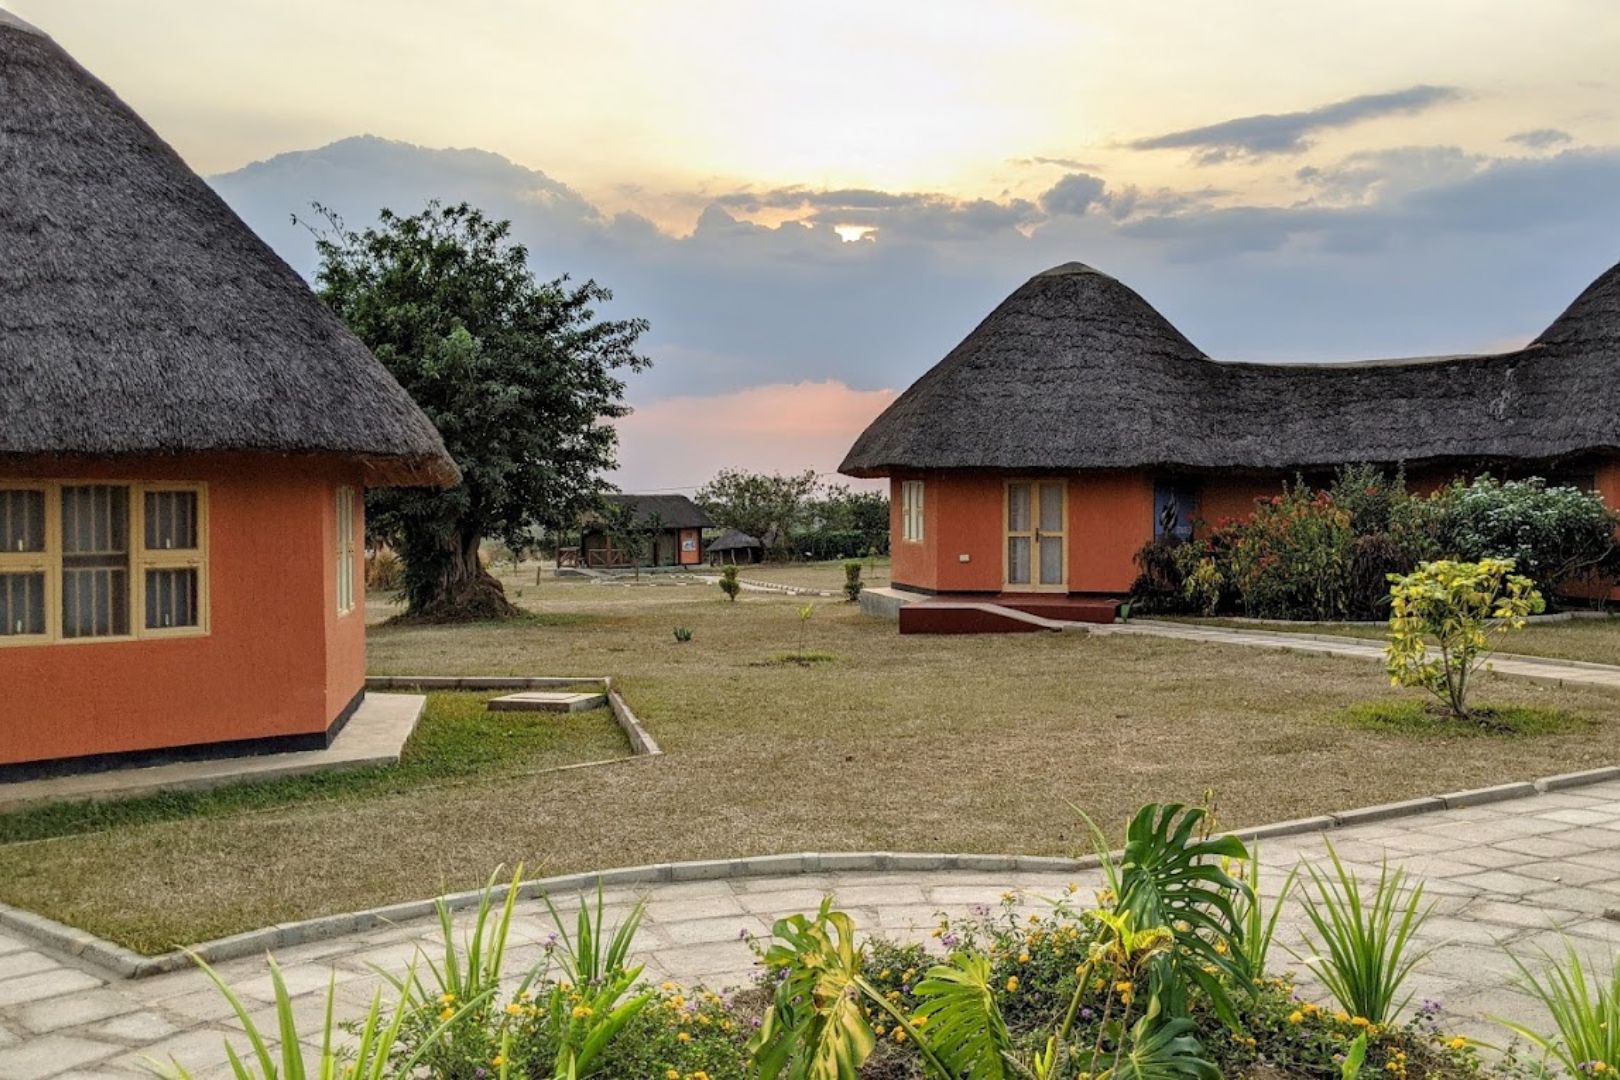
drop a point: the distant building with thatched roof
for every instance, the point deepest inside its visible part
(1075, 424)
(669, 529)
(735, 546)
(186, 434)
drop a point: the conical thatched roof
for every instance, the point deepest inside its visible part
(1074, 370)
(139, 315)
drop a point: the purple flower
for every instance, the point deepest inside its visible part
(754, 1022)
(1429, 1007)
(1086, 1013)
(948, 940)
(742, 935)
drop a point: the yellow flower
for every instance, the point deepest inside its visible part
(1123, 987)
(919, 1021)
(668, 988)
(446, 1013)
(880, 1031)
(1012, 984)
(1023, 957)
(1342, 1017)
(884, 974)
(1220, 948)
(1296, 1017)
(672, 1074)
(447, 999)
(899, 1035)
(1360, 1021)
(682, 1037)
(514, 1009)
(582, 1011)
(498, 1060)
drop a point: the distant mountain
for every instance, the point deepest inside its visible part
(358, 176)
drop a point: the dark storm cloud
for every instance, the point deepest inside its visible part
(1288, 133)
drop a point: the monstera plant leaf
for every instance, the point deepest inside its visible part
(1169, 876)
(816, 1028)
(1163, 1049)
(959, 1021)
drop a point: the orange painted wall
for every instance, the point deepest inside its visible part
(1608, 485)
(1110, 518)
(1226, 498)
(276, 660)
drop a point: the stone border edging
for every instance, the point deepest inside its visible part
(642, 744)
(127, 963)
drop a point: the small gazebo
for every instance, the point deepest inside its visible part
(735, 546)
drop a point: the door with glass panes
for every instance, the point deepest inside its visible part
(1037, 553)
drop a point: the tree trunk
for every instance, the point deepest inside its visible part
(463, 591)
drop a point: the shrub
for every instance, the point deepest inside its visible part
(385, 571)
(683, 634)
(1552, 535)
(1460, 605)
(1160, 581)
(852, 581)
(1584, 1008)
(1365, 950)
(729, 583)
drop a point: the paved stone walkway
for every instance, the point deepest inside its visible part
(1542, 669)
(1519, 873)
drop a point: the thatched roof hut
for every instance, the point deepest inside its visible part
(670, 511)
(1075, 370)
(734, 540)
(139, 315)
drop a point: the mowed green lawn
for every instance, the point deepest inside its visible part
(1595, 641)
(903, 743)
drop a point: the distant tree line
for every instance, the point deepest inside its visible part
(797, 515)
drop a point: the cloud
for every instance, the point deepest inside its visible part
(1405, 251)
(1073, 194)
(1541, 138)
(1071, 164)
(1288, 133)
(680, 442)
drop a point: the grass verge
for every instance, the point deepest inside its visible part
(457, 739)
(1410, 716)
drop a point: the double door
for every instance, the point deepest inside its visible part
(1037, 553)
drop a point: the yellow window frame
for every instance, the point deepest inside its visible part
(346, 592)
(141, 559)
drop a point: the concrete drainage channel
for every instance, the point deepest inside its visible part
(125, 963)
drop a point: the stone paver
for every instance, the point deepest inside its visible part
(1527, 873)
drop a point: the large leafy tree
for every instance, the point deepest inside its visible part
(520, 376)
(770, 507)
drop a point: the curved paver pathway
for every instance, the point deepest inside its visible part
(1537, 668)
(1520, 872)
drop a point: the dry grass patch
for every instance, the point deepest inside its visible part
(906, 743)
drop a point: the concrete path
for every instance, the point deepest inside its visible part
(374, 735)
(1520, 873)
(1541, 669)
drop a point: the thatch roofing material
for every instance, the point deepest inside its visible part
(1074, 370)
(672, 511)
(734, 540)
(139, 315)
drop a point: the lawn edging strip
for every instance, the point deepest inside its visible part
(642, 744)
(127, 963)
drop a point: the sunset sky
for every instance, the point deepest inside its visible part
(813, 203)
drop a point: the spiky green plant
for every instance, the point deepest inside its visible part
(1256, 920)
(1363, 948)
(589, 954)
(369, 1058)
(1585, 1009)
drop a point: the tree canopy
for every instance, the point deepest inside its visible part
(520, 376)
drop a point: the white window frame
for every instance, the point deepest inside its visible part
(911, 511)
(346, 602)
(141, 559)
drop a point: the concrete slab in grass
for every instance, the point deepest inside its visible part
(554, 701)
